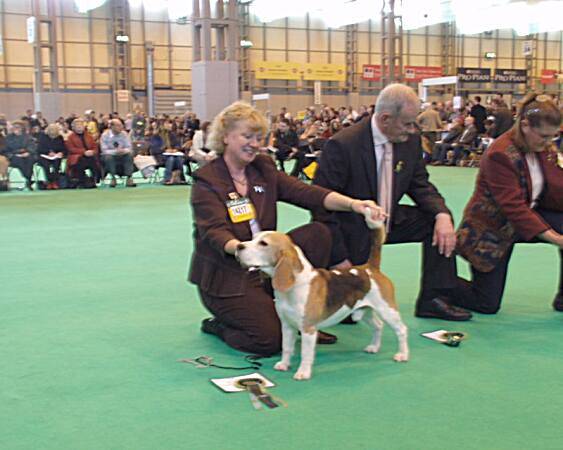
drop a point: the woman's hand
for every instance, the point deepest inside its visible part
(376, 212)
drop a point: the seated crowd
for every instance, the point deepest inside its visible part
(82, 151)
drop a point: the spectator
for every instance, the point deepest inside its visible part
(199, 151)
(441, 148)
(466, 141)
(82, 155)
(479, 113)
(430, 123)
(502, 118)
(116, 151)
(38, 120)
(20, 150)
(173, 157)
(51, 150)
(286, 142)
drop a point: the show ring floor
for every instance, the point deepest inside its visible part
(95, 311)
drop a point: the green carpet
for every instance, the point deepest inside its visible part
(95, 311)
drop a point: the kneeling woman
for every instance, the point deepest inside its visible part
(518, 198)
(233, 198)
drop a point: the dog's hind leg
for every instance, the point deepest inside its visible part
(393, 318)
(374, 322)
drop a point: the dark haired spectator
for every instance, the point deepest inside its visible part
(173, 157)
(502, 118)
(20, 150)
(38, 121)
(479, 113)
(51, 150)
(286, 142)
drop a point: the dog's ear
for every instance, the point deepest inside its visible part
(284, 273)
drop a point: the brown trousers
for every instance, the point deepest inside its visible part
(250, 321)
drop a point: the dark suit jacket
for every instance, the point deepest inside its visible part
(498, 214)
(479, 112)
(503, 122)
(348, 166)
(214, 271)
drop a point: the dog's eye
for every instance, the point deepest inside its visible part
(263, 243)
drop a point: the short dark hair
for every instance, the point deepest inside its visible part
(478, 98)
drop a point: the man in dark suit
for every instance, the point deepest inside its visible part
(380, 158)
(479, 113)
(286, 142)
(503, 118)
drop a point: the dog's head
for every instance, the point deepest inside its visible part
(275, 254)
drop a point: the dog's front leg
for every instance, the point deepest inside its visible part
(289, 335)
(308, 342)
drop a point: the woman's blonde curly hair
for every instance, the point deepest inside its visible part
(228, 119)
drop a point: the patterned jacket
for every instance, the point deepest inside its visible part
(499, 213)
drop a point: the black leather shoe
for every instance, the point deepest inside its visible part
(558, 303)
(326, 338)
(212, 326)
(438, 308)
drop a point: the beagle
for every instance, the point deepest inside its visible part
(308, 299)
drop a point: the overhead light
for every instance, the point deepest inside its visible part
(246, 44)
(490, 55)
(122, 38)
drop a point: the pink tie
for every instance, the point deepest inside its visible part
(385, 188)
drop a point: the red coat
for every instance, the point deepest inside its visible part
(76, 147)
(499, 213)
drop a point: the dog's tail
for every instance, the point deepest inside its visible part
(378, 238)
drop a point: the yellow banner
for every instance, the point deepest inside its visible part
(325, 72)
(267, 70)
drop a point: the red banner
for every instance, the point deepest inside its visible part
(371, 72)
(549, 76)
(419, 73)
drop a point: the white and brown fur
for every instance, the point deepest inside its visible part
(308, 299)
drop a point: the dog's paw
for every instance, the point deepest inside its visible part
(280, 365)
(401, 357)
(302, 374)
(371, 348)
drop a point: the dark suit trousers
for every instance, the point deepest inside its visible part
(24, 164)
(250, 321)
(51, 168)
(484, 293)
(439, 274)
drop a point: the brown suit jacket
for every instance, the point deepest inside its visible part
(498, 214)
(214, 271)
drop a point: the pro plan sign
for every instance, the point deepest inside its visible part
(510, 76)
(471, 75)
(482, 75)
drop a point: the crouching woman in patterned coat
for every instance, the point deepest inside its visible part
(518, 197)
